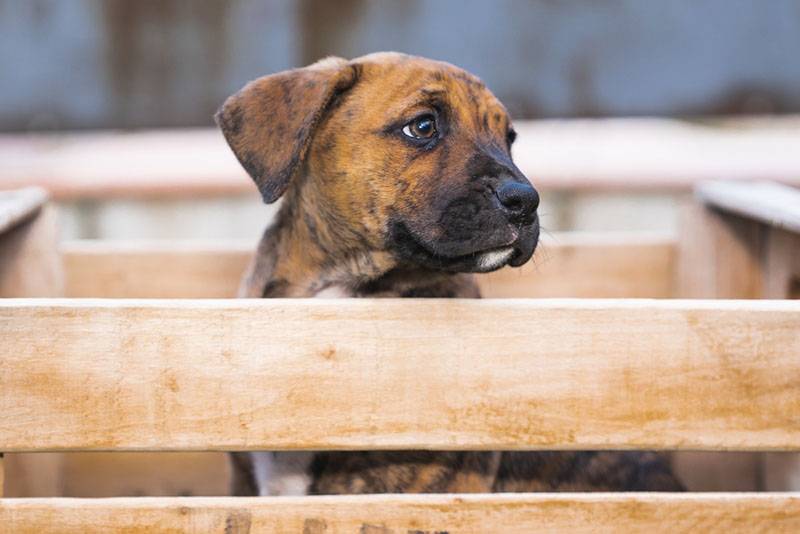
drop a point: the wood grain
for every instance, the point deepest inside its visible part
(386, 374)
(401, 514)
(614, 265)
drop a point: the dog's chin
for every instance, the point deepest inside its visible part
(475, 259)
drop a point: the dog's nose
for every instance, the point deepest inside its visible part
(519, 199)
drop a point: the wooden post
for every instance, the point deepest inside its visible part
(30, 266)
(740, 241)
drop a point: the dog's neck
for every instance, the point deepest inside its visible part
(308, 252)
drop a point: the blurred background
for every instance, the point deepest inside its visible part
(88, 65)
(146, 64)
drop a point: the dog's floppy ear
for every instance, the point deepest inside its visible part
(270, 122)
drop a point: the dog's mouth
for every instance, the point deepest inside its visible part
(478, 260)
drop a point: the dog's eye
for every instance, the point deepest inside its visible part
(421, 128)
(511, 136)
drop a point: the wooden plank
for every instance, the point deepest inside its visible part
(719, 255)
(655, 154)
(30, 266)
(155, 269)
(159, 163)
(616, 265)
(19, 205)
(38, 474)
(771, 203)
(277, 374)
(30, 263)
(643, 154)
(781, 265)
(591, 265)
(731, 253)
(389, 514)
(119, 474)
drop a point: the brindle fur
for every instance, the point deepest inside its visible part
(367, 214)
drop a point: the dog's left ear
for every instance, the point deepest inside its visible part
(270, 122)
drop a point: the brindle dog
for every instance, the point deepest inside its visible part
(398, 181)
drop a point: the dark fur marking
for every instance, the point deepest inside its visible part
(253, 165)
(231, 120)
(275, 289)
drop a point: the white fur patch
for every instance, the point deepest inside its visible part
(282, 473)
(494, 258)
(333, 292)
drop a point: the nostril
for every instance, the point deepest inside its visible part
(520, 199)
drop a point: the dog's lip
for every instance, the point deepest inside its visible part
(465, 255)
(513, 249)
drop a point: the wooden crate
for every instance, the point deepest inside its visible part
(181, 374)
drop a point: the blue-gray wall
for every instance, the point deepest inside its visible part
(128, 63)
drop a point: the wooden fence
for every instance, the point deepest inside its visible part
(124, 374)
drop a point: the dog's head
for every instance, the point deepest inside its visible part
(394, 152)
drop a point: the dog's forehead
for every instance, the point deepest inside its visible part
(397, 81)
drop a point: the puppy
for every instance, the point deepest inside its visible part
(397, 181)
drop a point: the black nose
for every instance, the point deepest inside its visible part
(519, 199)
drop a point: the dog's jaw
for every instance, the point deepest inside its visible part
(494, 259)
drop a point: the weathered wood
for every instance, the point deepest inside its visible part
(39, 474)
(719, 255)
(781, 264)
(738, 245)
(566, 265)
(30, 263)
(771, 203)
(590, 265)
(153, 269)
(394, 514)
(30, 266)
(382, 374)
(19, 205)
(118, 474)
(606, 154)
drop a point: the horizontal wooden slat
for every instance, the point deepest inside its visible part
(771, 203)
(590, 155)
(154, 269)
(591, 265)
(396, 514)
(399, 373)
(566, 265)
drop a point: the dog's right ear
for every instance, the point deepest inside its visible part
(270, 122)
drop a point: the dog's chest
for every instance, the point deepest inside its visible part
(282, 473)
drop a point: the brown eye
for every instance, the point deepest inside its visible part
(421, 128)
